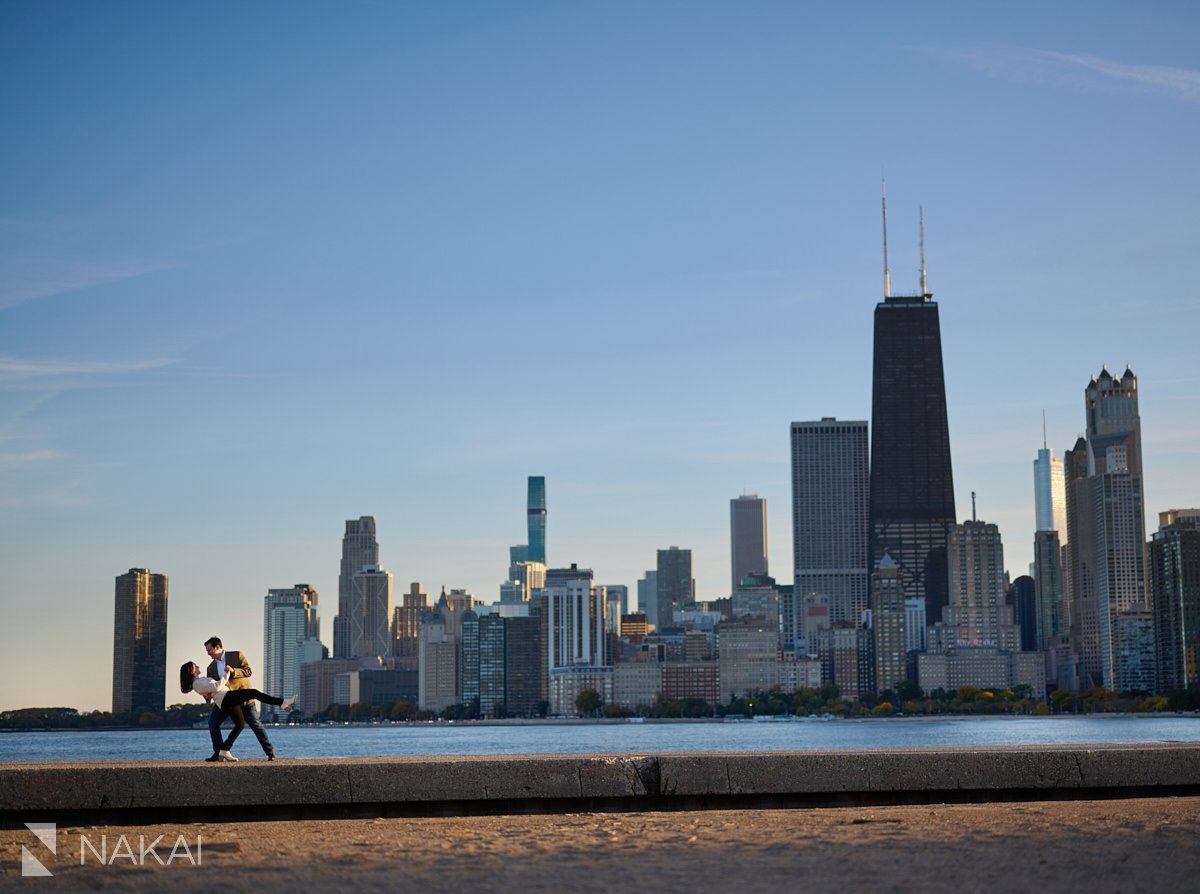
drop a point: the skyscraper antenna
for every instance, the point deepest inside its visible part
(1043, 429)
(887, 276)
(973, 517)
(924, 277)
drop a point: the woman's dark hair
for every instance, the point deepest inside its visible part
(185, 677)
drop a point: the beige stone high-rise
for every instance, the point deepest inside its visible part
(140, 642)
(360, 549)
(889, 626)
(406, 627)
(978, 614)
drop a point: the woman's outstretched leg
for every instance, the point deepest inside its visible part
(241, 696)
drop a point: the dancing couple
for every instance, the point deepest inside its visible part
(227, 685)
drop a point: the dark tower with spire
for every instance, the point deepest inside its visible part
(912, 486)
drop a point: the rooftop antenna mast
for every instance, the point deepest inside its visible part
(973, 517)
(1043, 429)
(887, 276)
(924, 277)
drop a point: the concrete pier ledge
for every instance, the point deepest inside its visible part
(147, 791)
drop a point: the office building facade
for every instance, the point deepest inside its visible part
(406, 626)
(889, 625)
(747, 538)
(674, 583)
(1079, 578)
(360, 549)
(371, 613)
(647, 590)
(1051, 613)
(289, 620)
(830, 503)
(1175, 590)
(978, 613)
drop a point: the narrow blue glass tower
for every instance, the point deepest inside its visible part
(537, 518)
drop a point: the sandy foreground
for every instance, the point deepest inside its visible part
(1150, 844)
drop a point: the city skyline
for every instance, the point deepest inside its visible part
(182, 365)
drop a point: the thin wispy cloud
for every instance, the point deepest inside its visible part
(1028, 65)
(14, 368)
(38, 285)
(66, 495)
(13, 461)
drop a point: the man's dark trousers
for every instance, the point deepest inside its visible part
(250, 712)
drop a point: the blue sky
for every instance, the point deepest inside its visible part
(264, 269)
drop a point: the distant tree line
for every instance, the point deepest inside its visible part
(907, 699)
(176, 716)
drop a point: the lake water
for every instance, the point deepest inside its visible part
(583, 738)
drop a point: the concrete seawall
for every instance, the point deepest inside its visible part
(396, 786)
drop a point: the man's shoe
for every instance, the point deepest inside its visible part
(271, 756)
(227, 757)
(212, 760)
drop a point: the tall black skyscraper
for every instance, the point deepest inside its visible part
(912, 488)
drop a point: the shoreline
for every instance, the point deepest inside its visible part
(523, 722)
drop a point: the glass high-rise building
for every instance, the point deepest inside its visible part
(676, 587)
(1175, 591)
(830, 487)
(912, 509)
(647, 590)
(289, 620)
(371, 613)
(524, 665)
(1049, 493)
(1023, 595)
(535, 512)
(140, 642)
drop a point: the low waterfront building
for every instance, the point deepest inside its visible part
(637, 684)
(691, 679)
(317, 682)
(984, 667)
(800, 673)
(568, 683)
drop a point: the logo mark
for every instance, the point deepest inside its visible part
(46, 833)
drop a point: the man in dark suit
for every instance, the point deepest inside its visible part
(239, 678)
